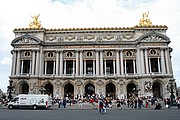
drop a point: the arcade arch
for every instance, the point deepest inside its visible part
(157, 89)
(131, 90)
(89, 89)
(111, 90)
(49, 89)
(69, 91)
(24, 88)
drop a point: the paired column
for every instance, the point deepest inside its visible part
(167, 60)
(57, 63)
(142, 61)
(33, 62)
(14, 59)
(101, 62)
(122, 66)
(146, 61)
(61, 63)
(37, 63)
(162, 62)
(81, 63)
(18, 63)
(117, 63)
(97, 62)
(77, 63)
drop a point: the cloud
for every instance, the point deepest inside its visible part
(87, 13)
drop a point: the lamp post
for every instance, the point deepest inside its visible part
(172, 96)
(10, 88)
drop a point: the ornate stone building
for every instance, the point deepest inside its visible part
(114, 62)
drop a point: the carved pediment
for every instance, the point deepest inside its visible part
(26, 39)
(153, 37)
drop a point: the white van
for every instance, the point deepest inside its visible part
(30, 101)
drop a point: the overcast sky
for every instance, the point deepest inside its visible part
(84, 14)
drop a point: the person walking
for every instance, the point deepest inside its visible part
(101, 105)
(64, 103)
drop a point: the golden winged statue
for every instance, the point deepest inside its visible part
(35, 23)
(145, 21)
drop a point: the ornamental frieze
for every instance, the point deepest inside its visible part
(100, 82)
(153, 38)
(58, 82)
(78, 83)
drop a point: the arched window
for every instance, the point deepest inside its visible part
(27, 53)
(50, 54)
(153, 52)
(89, 54)
(128, 53)
(69, 54)
(109, 53)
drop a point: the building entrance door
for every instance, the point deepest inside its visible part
(89, 89)
(69, 91)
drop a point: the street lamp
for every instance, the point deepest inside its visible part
(10, 88)
(172, 85)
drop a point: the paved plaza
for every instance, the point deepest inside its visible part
(88, 112)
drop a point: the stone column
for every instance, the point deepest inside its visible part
(84, 67)
(22, 62)
(142, 62)
(30, 69)
(14, 59)
(45, 68)
(73, 67)
(105, 67)
(64, 67)
(114, 67)
(77, 63)
(54, 67)
(61, 63)
(97, 62)
(167, 61)
(94, 67)
(159, 66)
(117, 63)
(101, 62)
(134, 66)
(138, 60)
(125, 67)
(146, 61)
(122, 66)
(81, 63)
(57, 63)
(37, 62)
(18, 63)
(41, 65)
(150, 65)
(162, 62)
(33, 62)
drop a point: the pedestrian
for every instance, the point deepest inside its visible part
(64, 103)
(59, 103)
(101, 105)
(80, 103)
(178, 103)
(118, 104)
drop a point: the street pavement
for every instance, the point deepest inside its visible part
(89, 112)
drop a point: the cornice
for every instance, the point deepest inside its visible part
(90, 29)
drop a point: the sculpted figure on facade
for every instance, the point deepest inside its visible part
(145, 21)
(148, 86)
(35, 23)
